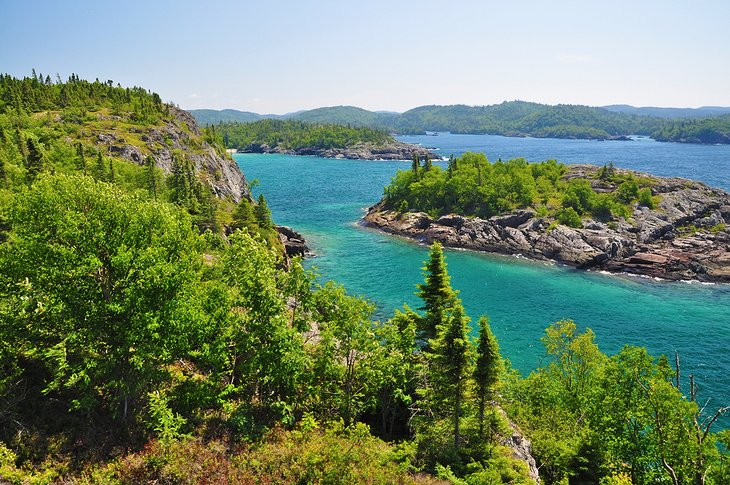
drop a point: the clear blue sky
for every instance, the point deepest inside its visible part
(274, 56)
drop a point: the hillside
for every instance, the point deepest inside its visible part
(520, 118)
(73, 125)
(656, 112)
(711, 130)
(151, 332)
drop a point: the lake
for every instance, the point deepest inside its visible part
(324, 199)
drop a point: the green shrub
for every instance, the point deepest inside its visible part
(569, 217)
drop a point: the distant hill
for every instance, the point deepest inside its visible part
(344, 115)
(206, 117)
(510, 118)
(701, 112)
(704, 130)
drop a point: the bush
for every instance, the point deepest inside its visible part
(569, 217)
(645, 198)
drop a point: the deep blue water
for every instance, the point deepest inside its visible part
(324, 199)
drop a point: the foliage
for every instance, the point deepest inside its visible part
(472, 186)
(594, 418)
(295, 135)
(709, 130)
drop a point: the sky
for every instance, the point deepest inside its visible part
(278, 56)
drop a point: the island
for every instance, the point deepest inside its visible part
(589, 217)
(315, 139)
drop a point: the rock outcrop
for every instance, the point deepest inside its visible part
(394, 150)
(294, 243)
(180, 133)
(686, 237)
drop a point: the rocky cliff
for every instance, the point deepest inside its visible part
(178, 133)
(686, 237)
(394, 150)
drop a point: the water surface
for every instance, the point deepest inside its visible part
(324, 199)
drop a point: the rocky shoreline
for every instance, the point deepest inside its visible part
(686, 237)
(395, 150)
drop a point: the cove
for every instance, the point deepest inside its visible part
(324, 199)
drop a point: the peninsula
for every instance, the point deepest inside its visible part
(315, 139)
(583, 216)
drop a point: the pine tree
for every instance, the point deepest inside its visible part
(112, 174)
(450, 369)
(436, 293)
(487, 370)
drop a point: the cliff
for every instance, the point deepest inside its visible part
(177, 133)
(686, 237)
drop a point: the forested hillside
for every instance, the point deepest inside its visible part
(293, 135)
(151, 332)
(520, 118)
(711, 130)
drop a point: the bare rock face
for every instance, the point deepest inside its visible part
(687, 237)
(180, 134)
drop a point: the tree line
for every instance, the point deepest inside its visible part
(294, 135)
(472, 186)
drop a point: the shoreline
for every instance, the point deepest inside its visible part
(685, 238)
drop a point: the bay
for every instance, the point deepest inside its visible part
(324, 199)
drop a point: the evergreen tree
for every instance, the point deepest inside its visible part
(416, 163)
(436, 293)
(112, 175)
(100, 171)
(35, 161)
(427, 164)
(82, 158)
(487, 370)
(452, 166)
(243, 216)
(152, 177)
(450, 369)
(262, 213)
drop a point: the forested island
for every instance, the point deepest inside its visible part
(152, 330)
(584, 216)
(309, 138)
(517, 118)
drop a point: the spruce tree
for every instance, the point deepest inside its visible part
(243, 216)
(262, 213)
(112, 174)
(35, 161)
(100, 171)
(436, 293)
(487, 370)
(152, 177)
(82, 158)
(427, 164)
(451, 356)
(416, 163)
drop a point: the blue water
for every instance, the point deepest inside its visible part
(324, 199)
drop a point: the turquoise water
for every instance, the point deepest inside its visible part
(324, 199)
